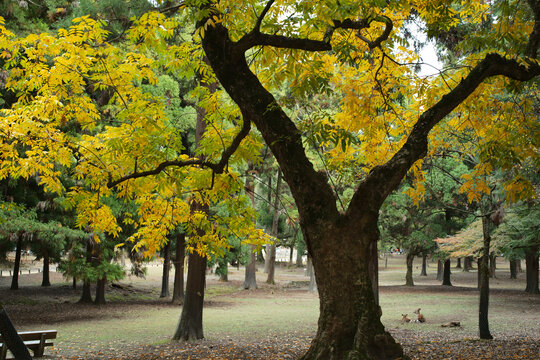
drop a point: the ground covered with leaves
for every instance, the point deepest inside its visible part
(273, 322)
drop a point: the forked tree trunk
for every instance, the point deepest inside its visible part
(178, 288)
(190, 326)
(45, 281)
(531, 263)
(446, 273)
(513, 269)
(423, 272)
(166, 270)
(100, 291)
(17, 265)
(408, 277)
(483, 321)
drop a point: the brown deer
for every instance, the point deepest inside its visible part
(419, 317)
(404, 318)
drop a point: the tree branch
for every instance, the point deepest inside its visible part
(383, 179)
(257, 27)
(217, 168)
(383, 37)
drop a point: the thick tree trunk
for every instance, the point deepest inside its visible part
(446, 273)
(45, 281)
(17, 265)
(250, 279)
(483, 321)
(423, 272)
(531, 263)
(408, 277)
(374, 270)
(100, 291)
(467, 263)
(349, 323)
(513, 269)
(178, 288)
(479, 272)
(439, 269)
(190, 326)
(166, 270)
(11, 339)
(458, 265)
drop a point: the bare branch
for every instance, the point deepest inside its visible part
(257, 27)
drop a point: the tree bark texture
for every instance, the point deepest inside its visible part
(446, 273)
(86, 296)
(483, 321)
(45, 281)
(166, 270)
(423, 272)
(100, 291)
(408, 277)
(531, 264)
(374, 270)
(190, 326)
(17, 265)
(11, 339)
(492, 265)
(513, 269)
(178, 288)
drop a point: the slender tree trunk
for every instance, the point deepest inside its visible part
(100, 291)
(291, 254)
(271, 257)
(250, 280)
(531, 263)
(458, 265)
(178, 289)
(483, 321)
(45, 279)
(439, 269)
(424, 265)
(11, 338)
(408, 277)
(86, 296)
(74, 285)
(166, 270)
(446, 273)
(190, 326)
(299, 261)
(518, 265)
(513, 269)
(17, 265)
(492, 265)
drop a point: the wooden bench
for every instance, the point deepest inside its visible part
(34, 340)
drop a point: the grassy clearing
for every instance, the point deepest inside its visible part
(136, 317)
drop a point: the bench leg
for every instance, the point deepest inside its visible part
(41, 348)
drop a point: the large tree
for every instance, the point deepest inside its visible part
(356, 50)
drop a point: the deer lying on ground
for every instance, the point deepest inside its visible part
(419, 317)
(404, 318)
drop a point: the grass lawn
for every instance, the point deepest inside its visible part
(274, 322)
